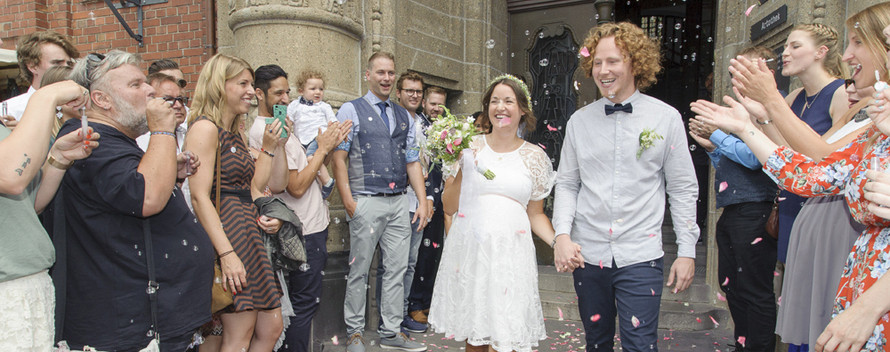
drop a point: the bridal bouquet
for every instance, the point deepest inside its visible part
(447, 137)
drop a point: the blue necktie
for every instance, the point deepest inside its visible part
(610, 109)
(382, 106)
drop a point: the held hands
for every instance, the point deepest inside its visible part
(160, 116)
(567, 255)
(233, 272)
(753, 78)
(733, 119)
(73, 146)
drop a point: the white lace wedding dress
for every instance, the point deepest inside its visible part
(486, 291)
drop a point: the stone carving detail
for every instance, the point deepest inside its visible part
(819, 11)
(376, 17)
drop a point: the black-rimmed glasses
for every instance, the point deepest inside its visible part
(172, 100)
(413, 91)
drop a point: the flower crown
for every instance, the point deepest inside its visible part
(519, 82)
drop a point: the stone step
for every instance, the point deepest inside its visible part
(551, 280)
(553, 302)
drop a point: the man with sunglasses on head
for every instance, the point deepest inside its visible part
(170, 68)
(36, 52)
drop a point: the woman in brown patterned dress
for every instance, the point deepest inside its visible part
(222, 99)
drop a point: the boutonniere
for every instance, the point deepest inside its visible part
(647, 140)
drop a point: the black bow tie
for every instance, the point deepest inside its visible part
(305, 102)
(618, 107)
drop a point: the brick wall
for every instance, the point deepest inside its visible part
(180, 30)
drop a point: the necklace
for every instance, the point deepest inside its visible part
(807, 103)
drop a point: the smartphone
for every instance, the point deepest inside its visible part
(280, 113)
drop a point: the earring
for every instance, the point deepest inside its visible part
(59, 112)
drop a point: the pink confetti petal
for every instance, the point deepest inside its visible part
(779, 301)
(716, 324)
(352, 261)
(775, 273)
(601, 264)
(559, 310)
(551, 128)
(634, 321)
(721, 297)
(435, 245)
(723, 186)
(748, 13)
(651, 235)
(392, 185)
(460, 215)
(756, 240)
(335, 341)
(594, 318)
(725, 282)
(742, 340)
(520, 232)
(585, 52)
(652, 290)
(542, 146)
(698, 320)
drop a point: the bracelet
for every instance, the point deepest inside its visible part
(330, 182)
(171, 134)
(267, 152)
(553, 243)
(764, 122)
(58, 164)
(226, 253)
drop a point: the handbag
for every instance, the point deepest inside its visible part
(772, 222)
(220, 297)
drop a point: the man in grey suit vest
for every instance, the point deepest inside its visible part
(382, 160)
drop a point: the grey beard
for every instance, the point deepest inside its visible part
(129, 118)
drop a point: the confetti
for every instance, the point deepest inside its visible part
(748, 13)
(392, 185)
(698, 320)
(775, 273)
(651, 235)
(585, 52)
(559, 310)
(335, 341)
(634, 321)
(721, 297)
(601, 264)
(352, 261)
(435, 245)
(551, 128)
(594, 318)
(725, 282)
(653, 291)
(460, 215)
(779, 301)
(541, 145)
(756, 240)
(716, 324)
(520, 232)
(723, 186)
(742, 340)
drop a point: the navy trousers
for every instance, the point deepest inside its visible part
(428, 257)
(633, 293)
(304, 289)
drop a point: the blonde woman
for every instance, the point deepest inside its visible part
(222, 99)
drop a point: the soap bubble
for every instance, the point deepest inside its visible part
(489, 44)
(544, 62)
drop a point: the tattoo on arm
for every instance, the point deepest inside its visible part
(25, 164)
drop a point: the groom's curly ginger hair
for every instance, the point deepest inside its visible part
(643, 51)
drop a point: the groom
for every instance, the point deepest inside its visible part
(622, 154)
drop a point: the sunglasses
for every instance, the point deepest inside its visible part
(172, 100)
(93, 60)
(848, 82)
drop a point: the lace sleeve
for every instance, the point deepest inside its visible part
(541, 170)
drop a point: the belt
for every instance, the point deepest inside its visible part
(381, 194)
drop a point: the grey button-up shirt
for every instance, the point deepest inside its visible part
(610, 201)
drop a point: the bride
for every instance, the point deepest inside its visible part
(486, 291)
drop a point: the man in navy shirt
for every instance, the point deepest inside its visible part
(107, 199)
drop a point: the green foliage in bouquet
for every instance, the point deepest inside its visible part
(447, 137)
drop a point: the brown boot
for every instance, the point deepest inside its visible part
(418, 316)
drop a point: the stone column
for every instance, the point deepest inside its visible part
(300, 34)
(605, 10)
